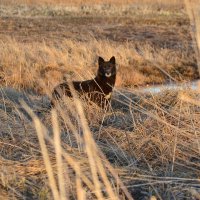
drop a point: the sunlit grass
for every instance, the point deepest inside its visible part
(29, 66)
(145, 147)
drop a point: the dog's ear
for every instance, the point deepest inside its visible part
(112, 60)
(101, 60)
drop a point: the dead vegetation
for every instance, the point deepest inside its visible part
(170, 3)
(145, 147)
(152, 144)
(152, 46)
(23, 64)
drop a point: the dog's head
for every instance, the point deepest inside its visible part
(107, 68)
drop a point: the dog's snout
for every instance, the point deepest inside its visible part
(107, 71)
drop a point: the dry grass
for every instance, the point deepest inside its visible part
(22, 65)
(33, 8)
(152, 143)
(170, 3)
(145, 147)
(193, 12)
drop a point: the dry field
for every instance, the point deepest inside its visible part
(146, 147)
(153, 44)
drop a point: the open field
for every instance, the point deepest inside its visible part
(146, 147)
(170, 3)
(153, 46)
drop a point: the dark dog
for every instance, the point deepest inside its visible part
(98, 89)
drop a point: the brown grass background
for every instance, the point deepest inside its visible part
(145, 147)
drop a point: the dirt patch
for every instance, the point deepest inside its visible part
(168, 33)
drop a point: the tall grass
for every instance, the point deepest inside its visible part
(98, 165)
(193, 10)
(146, 147)
(23, 64)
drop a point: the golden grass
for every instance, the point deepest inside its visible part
(23, 64)
(193, 10)
(146, 147)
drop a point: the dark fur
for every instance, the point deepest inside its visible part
(98, 89)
